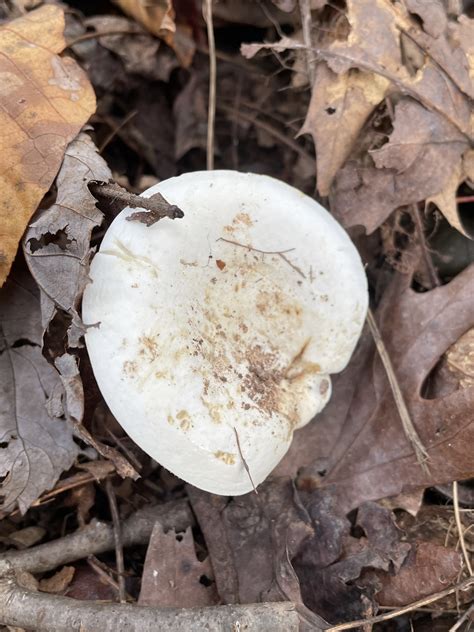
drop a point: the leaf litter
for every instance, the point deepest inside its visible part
(350, 523)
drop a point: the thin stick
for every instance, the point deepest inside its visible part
(400, 611)
(464, 618)
(247, 469)
(408, 427)
(273, 131)
(457, 517)
(434, 280)
(211, 112)
(102, 573)
(305, 13)
(118, 540)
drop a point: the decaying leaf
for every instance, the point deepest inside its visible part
(373, 458)
(158, 17)
(172, 575)
(251, 541)
(57, 242)
(332, 564)
(418, 161)
(45, 100)
(445, 199)
(432, 128)
(36, 445)
(339, 107)
(428, 569)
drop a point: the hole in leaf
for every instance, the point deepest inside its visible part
(205, 581)
(330, 110)
(59, 238)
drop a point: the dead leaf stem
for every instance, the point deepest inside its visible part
(211, 112)
(433, 275)
(247, 469)
(408, 427)
(405, 609)
(305, 13)
(460, 528)
(270, 129)
(117, 529)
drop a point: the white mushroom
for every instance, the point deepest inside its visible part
(218, 332)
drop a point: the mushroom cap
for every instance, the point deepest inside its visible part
(216, 334)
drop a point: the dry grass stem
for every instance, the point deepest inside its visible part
(211, 115)
(305, 13)
(416, 605)
(457, 516)
(408, 427)
(118, 539)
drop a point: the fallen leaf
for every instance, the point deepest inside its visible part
(445, 199)
(333, 562)
(423, 151)
(57, 241)
(58, 583)
(89, 586)
(45, 100)
(140, 52)
(36, 446)
(158, 17)
(251, 541)
(373, 458)
(172, 574)
(429, 569)
(339, 107)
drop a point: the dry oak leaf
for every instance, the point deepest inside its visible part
(445, 199)
(419, 160)
(158, 17)
(36, 444)
(57, 241)
(172, 574)
(373, 458)
(45, 101)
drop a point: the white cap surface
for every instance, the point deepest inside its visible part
(224, 324)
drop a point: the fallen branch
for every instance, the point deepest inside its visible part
(44, 612)
(98, 537)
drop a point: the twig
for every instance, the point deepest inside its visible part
(97, 567)
(211, 111)
(247, 469)
(98, 537)
(400, 611)
(97, 34)
(465, 198)
(272, 131)
(117, 198)
(115, 130)
(435, 282)
(305, 13)
(465, 616)
(408, 427)
(279, 253)
(117, 539)
(42, 612)
(457, 517)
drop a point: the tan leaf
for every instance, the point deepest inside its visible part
(158, 17)
(445, 200)
(45, 101)
(172, 573)
(340, 105)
